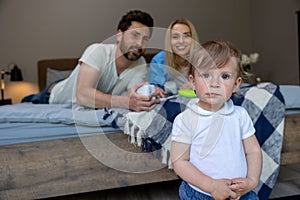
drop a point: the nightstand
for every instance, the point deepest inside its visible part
(5, 102)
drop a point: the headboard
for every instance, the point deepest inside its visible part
(63, 64)
(60, 64)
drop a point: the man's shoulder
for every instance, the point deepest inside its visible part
(100, 46)
(98, 55)
(99, 50)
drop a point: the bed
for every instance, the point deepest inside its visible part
(291, 149)
(62, 157)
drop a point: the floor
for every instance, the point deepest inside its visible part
(162, 191)
(286, 188)
(288, 182)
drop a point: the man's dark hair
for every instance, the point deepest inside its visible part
(137, 16)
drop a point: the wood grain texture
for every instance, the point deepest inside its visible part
(291, 140)
(64, 167)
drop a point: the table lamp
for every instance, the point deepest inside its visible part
(15, 75)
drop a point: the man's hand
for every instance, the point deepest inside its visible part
(161, 93)
(139, 102)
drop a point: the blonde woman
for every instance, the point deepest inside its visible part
(171, 65)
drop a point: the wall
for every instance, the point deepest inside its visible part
(32, 30)
(274, 36)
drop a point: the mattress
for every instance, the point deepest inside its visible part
(291, 95)
(26, 122)
(17, 133)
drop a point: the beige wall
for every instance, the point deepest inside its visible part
(37, 29)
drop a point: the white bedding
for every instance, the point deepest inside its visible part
(54, 113)
(26, 122)
(16, 133)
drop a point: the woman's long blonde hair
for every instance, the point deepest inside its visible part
(170, 55)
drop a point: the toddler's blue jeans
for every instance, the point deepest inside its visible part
(188, 193)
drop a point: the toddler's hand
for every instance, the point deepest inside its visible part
(242, 186)
(221, 189)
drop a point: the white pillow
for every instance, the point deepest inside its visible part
(54, 75)
(291, 95)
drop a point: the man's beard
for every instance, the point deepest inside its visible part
(132, 56)
(133, 53)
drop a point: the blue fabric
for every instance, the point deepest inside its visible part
(56, 113)
(264, 192)
(169, 111)
(165, 116)
(41, 97)
(160, 137)
(17, 133)
(158, 74)
(291, 95)
(188, 193)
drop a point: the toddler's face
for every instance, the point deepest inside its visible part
(215, 85)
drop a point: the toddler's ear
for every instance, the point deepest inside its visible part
(192, 82)
(237, 84)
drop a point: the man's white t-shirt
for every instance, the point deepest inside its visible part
(215, 138)
(102, 58)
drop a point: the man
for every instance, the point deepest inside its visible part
(108, 75)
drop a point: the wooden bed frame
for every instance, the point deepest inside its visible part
(63, 167)
(57, 64)
(290, 153)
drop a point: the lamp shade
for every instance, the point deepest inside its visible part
(16, 74)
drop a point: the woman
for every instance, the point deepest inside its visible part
(169, 69)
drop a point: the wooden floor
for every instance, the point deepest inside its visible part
(162, 191)
(288, 185)
(288, 182)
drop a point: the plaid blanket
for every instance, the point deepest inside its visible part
(265, 105)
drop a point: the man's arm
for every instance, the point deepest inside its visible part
(88, 95)
(86, 92)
